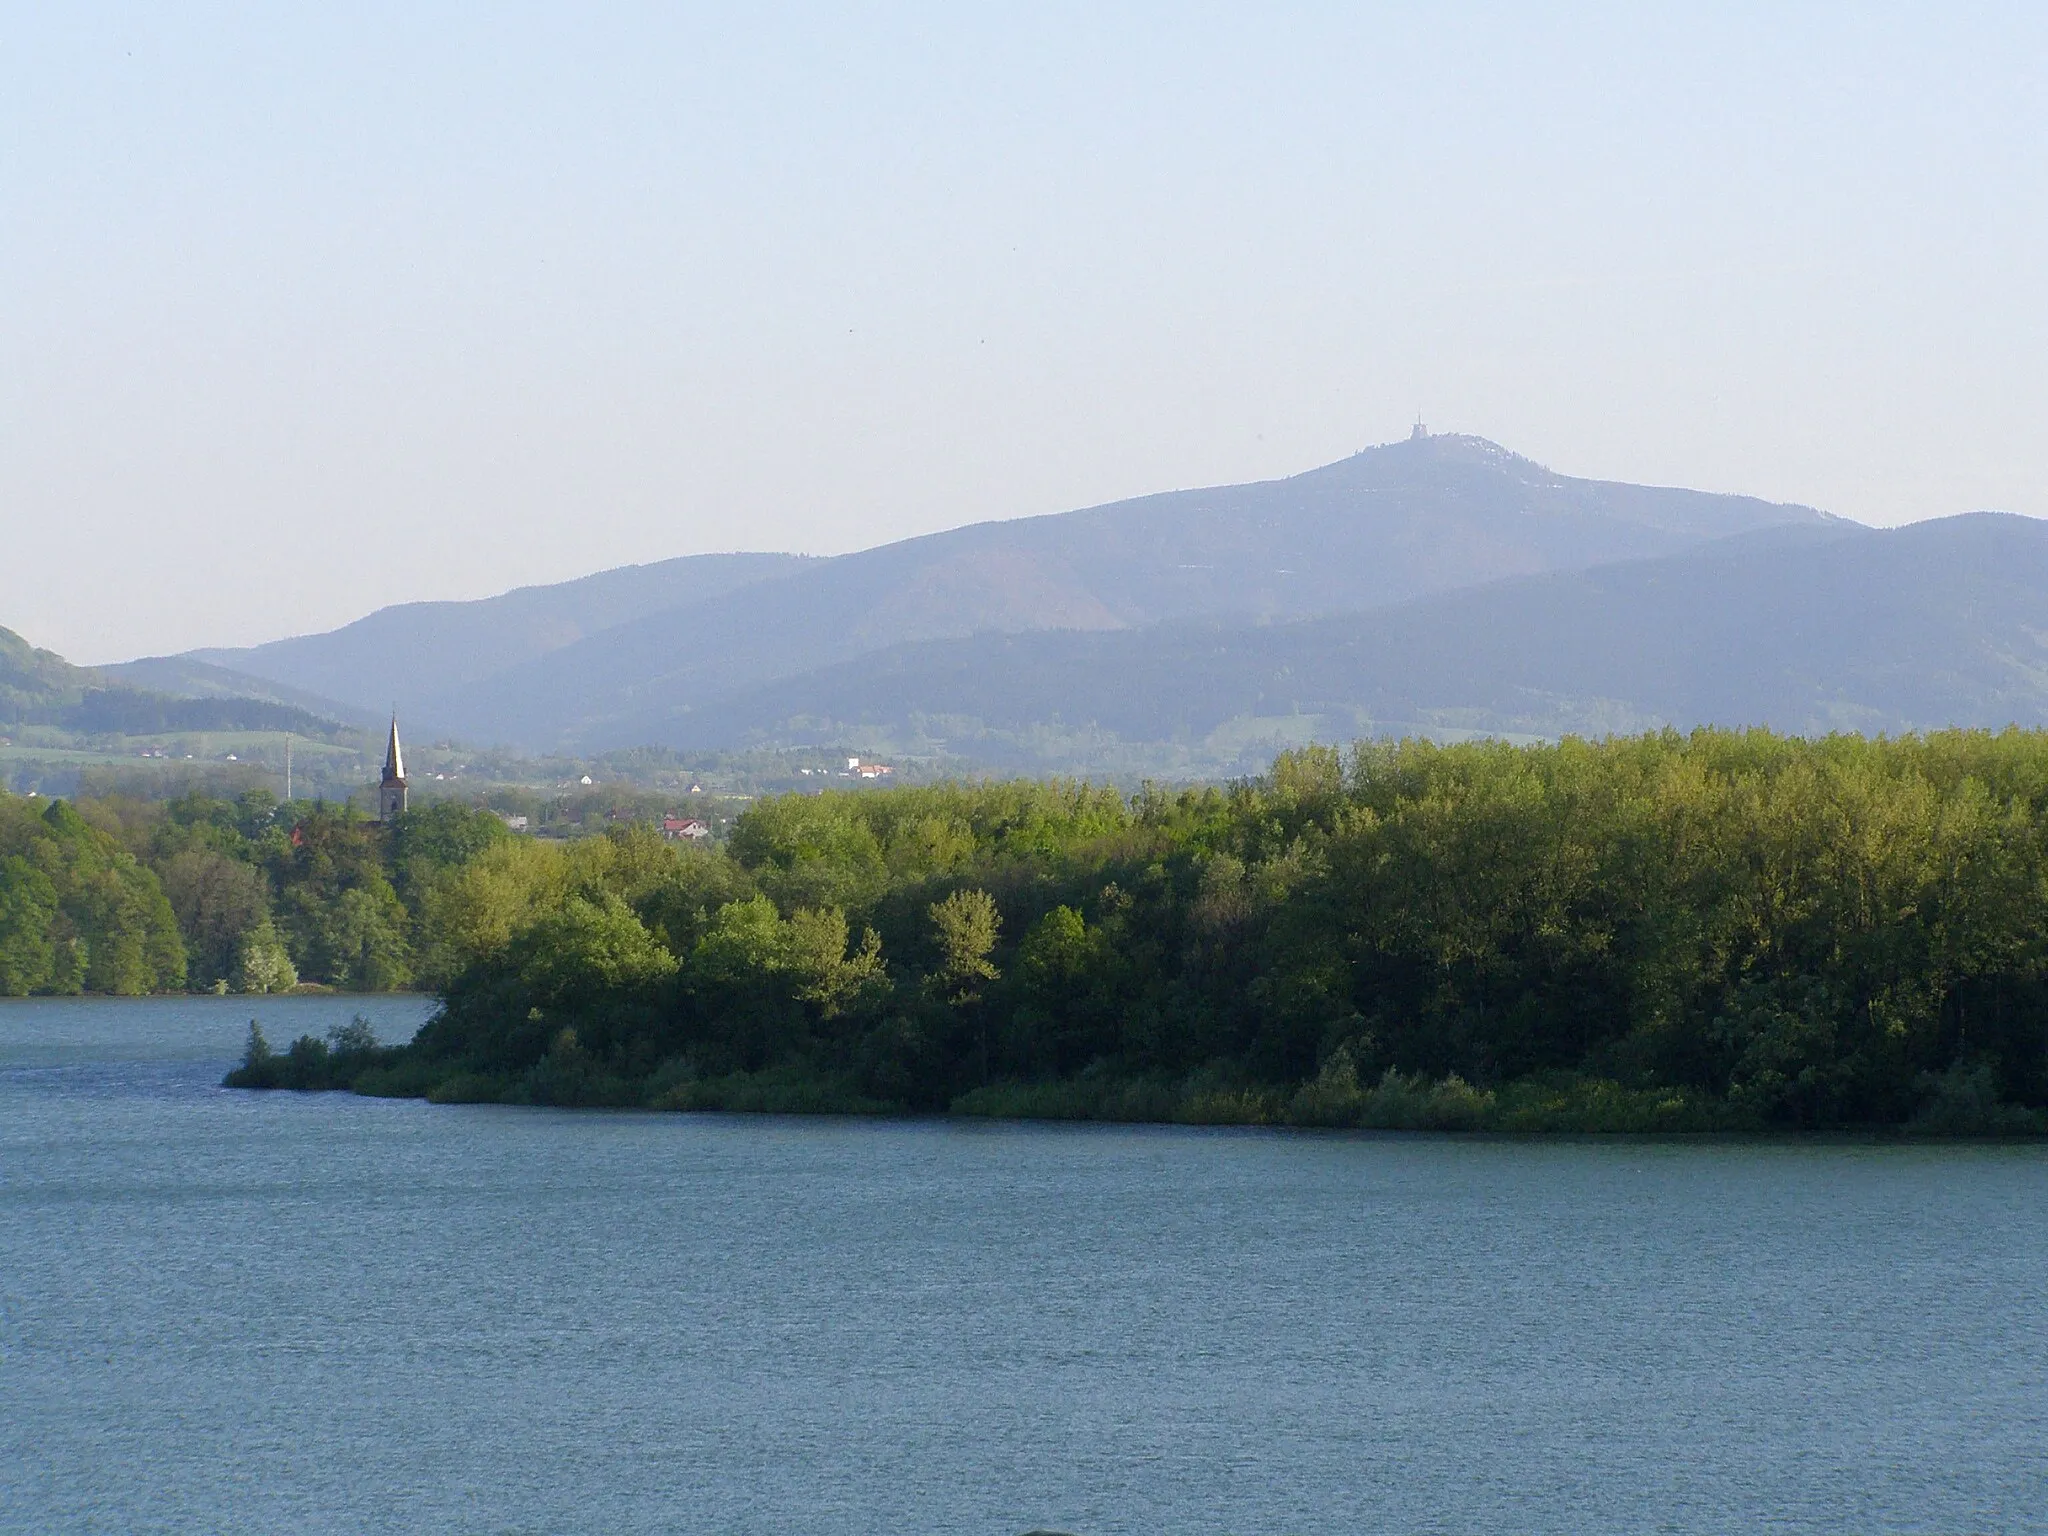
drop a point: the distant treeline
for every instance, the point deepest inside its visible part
(137, 712)
(1721, 930)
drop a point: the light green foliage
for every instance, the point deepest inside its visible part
(749, 941)
(813, 850)
(814, 947)
(77, 912)
(967, 923)
(28, 917)
(471, 911)
(630, 862)
(590, 947)
(745, 938)
(262, 963)
(1058, 950)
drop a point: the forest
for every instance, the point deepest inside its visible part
(1686, 932)
(126, 895)
(1714, 931)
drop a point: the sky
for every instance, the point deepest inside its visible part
(305, 310)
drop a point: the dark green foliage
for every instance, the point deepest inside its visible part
(341, 918)
(219, 901)
(311, 1064)
(139, 712)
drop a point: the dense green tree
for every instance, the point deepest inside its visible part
(428, 843)
(218, 900)
(589, 949)
(967, 923)
(28, 915)
(340, 916)
(105, 923)
(1717, 929)
(262, 963)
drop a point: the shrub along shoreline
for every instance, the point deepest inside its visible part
(1709, 932)
(1961, 1103)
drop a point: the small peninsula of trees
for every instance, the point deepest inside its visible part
(1720, 930)
(1666, 932)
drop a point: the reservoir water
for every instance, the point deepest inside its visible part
(228, 1312)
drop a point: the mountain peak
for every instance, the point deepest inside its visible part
(1427, 457)
(1466, 445)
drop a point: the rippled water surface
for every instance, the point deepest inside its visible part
(237, 1312)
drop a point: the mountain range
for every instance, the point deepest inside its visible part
(1438, 584)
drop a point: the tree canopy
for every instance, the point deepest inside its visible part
(1678, 931)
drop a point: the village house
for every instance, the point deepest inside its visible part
(684, 828)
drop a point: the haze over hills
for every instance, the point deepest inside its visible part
(186, 678)
(1807, 630)
(616, 662)
(425, 650)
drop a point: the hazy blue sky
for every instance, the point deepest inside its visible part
(304, 310)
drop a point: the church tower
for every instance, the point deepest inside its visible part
(391, 793)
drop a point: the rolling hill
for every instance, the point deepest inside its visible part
(33, 679)
(431, 650)
(184, 678)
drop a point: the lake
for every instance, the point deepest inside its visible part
(226, 1312)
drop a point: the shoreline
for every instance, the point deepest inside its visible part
(1555, 1105)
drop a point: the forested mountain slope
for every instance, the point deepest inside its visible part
(183, 677)
(1940, 623)
(33, 679)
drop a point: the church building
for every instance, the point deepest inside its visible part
(391, 793)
